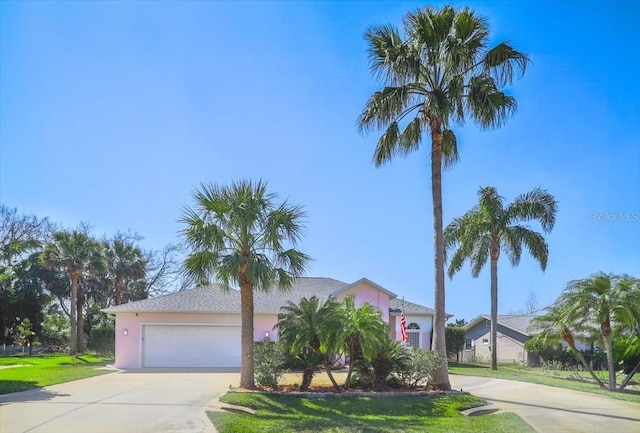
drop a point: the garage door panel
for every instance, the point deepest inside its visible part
(191, 346)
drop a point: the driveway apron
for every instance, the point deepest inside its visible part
(554, 410)
(135, 401)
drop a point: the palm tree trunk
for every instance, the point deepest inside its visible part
(73, 334)
(118, 293)
(246, 306)
(80, 319)
(568, 337)
(494, 314)
(606, 338)
(307, 376)
(327, 369)
(441, 375)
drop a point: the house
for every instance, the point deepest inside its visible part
(201, 327)
(513, 332)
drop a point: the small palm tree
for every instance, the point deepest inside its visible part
(312, 329)
(436, 74)
(603, 299)
(489, 229)
(238, 235)
(363, 330)
(555, 326)
(77, 254)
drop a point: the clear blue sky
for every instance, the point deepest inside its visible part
(113, 112)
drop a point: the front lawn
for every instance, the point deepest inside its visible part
(37, 371)
(283, 413)
(577, 381)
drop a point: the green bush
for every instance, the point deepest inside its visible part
(390, 358)
(269, 360)
(103, 340)
(420, 368)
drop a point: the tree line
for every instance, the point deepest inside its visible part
(54, 280)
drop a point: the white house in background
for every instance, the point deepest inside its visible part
(513, 332)
(201, 327)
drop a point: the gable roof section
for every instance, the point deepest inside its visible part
(365, 281)
(516, 322)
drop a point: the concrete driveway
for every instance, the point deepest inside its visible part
(550, 410)
(136, 401)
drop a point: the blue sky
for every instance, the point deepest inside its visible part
(113, 112)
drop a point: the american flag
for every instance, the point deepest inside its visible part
(403, 328)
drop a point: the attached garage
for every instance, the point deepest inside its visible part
(190, 345)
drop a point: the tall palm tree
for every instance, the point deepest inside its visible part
(363, 331)
(437, 74)
(491, 228)
(126, 263)
(77, 253)
(238, 235)
(603, 299)
(313, 329)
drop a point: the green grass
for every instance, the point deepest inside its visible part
(38, 371)
(283, 413)
(577, 381)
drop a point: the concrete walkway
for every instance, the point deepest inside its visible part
(137, 401)
(554, 410)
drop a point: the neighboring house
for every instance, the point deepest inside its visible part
(513, 332)
(201, 327)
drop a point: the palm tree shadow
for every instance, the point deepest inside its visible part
(39, 394)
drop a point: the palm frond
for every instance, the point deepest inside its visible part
(503, 63)
(537, 204)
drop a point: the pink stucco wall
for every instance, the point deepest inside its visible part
(263, 324)
(128, 347)
(367, 293)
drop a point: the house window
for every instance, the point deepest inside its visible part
(468, 344)
(485, 341)
(413, 332)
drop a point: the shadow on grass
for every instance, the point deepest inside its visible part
(462, 365)
(361, 414)
(12, 391)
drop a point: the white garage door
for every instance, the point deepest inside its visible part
(191, 346)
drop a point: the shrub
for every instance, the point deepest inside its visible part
(269, 359)
(103, 340)
(420, 368)
(390, 358)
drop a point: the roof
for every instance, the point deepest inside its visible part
(397, 305)
(516, 322)
(213, 298)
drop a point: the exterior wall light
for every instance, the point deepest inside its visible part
(266, 334)
(125, 332)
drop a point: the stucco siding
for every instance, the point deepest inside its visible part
(366, 293)
(129, 346)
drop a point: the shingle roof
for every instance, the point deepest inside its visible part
(517, 322)
(213, 299)
(396, 305)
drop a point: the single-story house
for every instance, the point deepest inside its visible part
(513, 331)
(200, 327)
